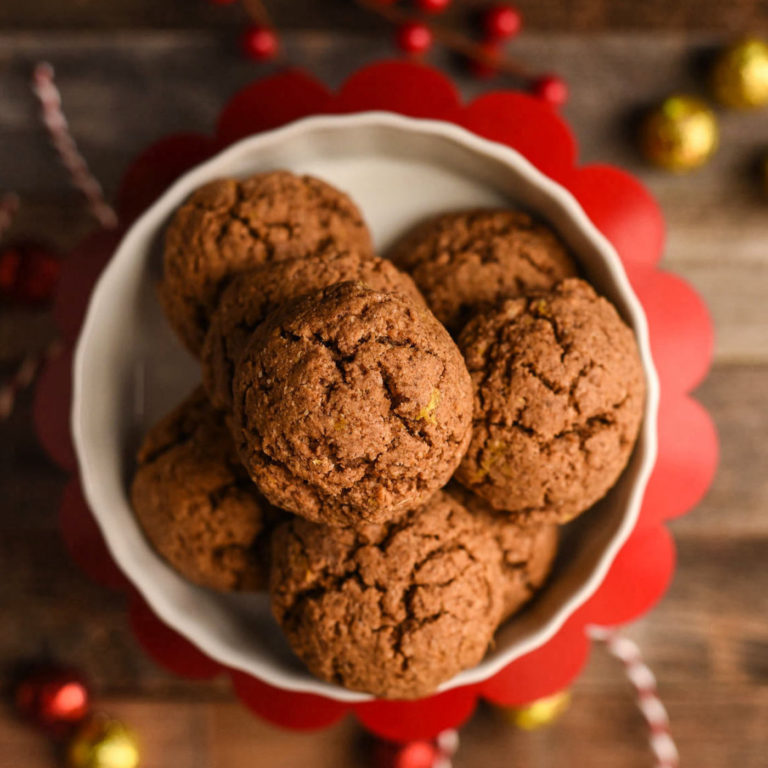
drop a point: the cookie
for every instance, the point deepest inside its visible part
(392, 609)
(351, 405)
(252, 295)
(228, 226)
(195, 502)
(559, 394)
(464, 262)
(527, 551)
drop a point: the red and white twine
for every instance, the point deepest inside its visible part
(447, 743)
(82, 179)
(24, 376)
(58, 128)
(644, 681)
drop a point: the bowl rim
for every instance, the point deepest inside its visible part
(174, 615)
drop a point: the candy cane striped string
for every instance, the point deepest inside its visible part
(50, 101)
(627, 651)
(24, 376)
(447, 743)
(644, 681)
(9, 204)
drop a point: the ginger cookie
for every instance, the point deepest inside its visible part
(527, 551)
(195, 502)
(467, 261)
(228, 226)
(252, 295)
(351, 405)
(559, 394)
(392, 609)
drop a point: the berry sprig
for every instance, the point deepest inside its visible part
(502, 22)
(416, 34)
(485, 58)
(260, 41)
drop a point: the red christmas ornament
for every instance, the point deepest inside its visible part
(52, 698)
(29, 273)
(484, 68)
(260, 42)
(414, 37)
(502, 22)
(415, 754)
(432, 6)
(552, 89)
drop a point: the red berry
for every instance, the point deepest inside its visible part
(28, 273)
(502, 22)
(416, 754)
(432, 6)
(552, 89)
(52, 697)
(485, 68)
(260, 42)
(42, 275)
(10, 261)
(414, 37)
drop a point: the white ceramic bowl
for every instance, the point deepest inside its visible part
(129, 369)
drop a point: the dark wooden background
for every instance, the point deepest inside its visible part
(133, 70)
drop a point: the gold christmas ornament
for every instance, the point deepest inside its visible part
(102, 742)
(538, 713)
(680, 134)
(740, 74)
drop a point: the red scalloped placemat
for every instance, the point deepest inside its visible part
(681, 341)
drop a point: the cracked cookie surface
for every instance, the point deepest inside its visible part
(252, 295)
(559, 394)
(195, 502)
(467, 261)
(392, 609)
(351, 405)
(527, 551)
(229, 225)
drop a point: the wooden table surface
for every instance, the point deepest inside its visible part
(133, 70)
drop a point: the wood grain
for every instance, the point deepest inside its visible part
(708, 638)
(339, 15)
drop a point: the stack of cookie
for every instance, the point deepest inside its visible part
(387, 445)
